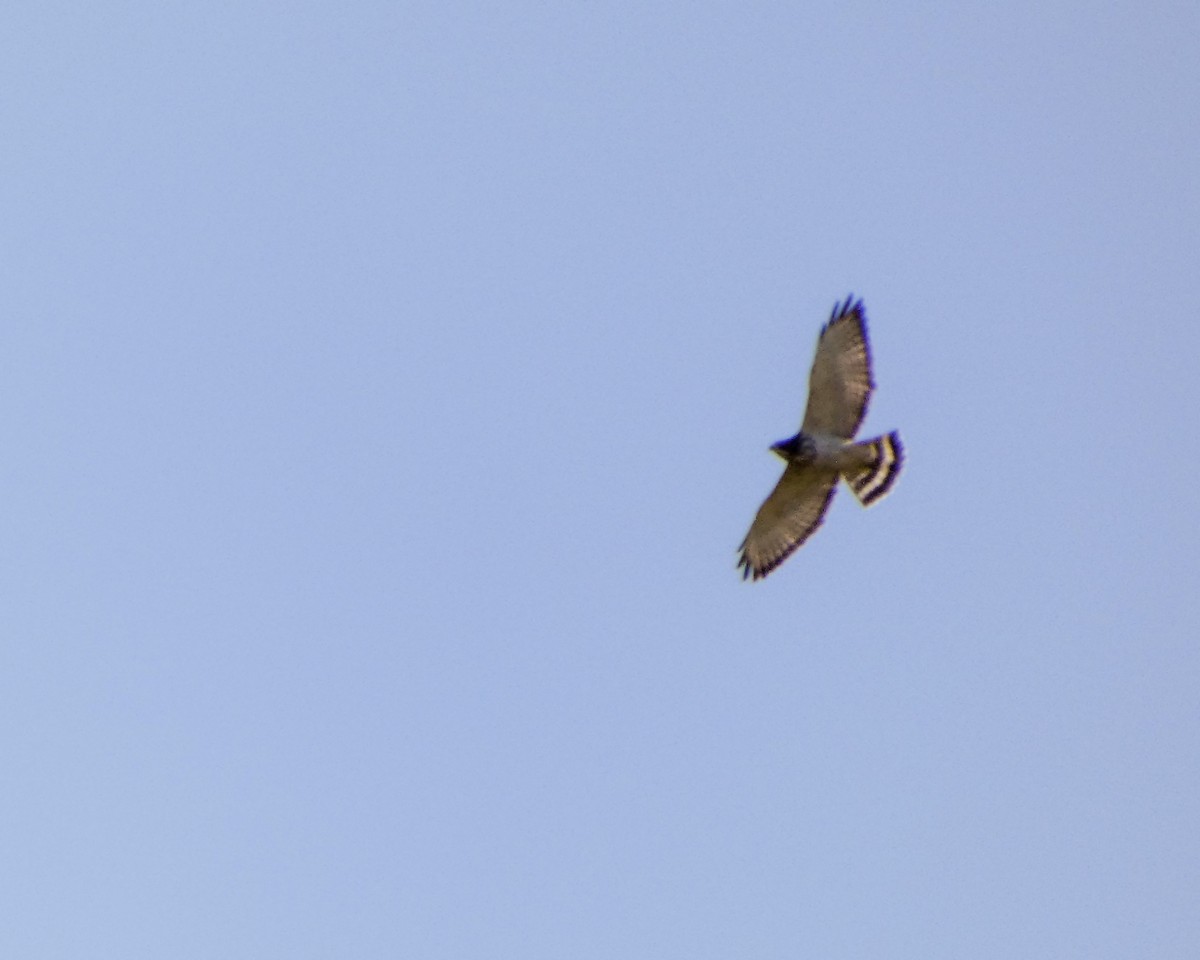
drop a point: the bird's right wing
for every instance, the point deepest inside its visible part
(840, 383)
(787, 518)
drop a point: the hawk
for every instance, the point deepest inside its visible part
(839, 387)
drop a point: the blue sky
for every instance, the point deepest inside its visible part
(384, 391)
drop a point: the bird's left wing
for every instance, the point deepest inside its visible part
(840, 383)
(787, 518)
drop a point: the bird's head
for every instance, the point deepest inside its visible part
(794, 448)
(786, 449)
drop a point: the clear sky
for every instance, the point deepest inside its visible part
(386, 387)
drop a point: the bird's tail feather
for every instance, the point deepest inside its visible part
(874, 481)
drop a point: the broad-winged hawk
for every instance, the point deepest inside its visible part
(838, 390)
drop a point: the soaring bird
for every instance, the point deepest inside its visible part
(839, 387)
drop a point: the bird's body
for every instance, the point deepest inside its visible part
(825, 449)
(823, 452)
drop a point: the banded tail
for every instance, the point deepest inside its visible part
(873, 481)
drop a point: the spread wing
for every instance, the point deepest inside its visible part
(787, 517)
(840, 383)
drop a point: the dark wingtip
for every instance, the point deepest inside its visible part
(749, 571)
(846, 308)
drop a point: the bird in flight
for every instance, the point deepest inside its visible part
(839, 387)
